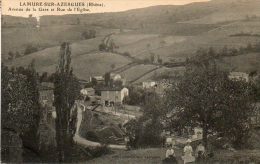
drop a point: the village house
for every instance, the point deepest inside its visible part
(239, 76)
(149, 84)
(99, 79)
(117, 77)
(113, 96)
(87, 92)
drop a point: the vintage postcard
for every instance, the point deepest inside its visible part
(130, 81)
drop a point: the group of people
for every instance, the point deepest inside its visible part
(200, 154)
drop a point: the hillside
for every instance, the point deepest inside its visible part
(171, 32)
(217, 11)
(17, 38)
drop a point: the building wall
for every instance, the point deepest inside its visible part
(239, 76)
(124, 93)
(148, 84)
(114, 96)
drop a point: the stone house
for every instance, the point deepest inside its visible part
(239, 76)
(112, 96)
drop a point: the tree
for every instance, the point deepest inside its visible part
(205, 97)
(44, 77)
(30, 138)
(20, 106)
(94, 81)
(146, 130)
(30, 49)
(17, 54)
(136, 96)
(112, 66)
(224, 51)
(11, 55)
(89, 34)
(159, 59)
(102, 47)
(152, 57)
(66, 90)
(107, 79)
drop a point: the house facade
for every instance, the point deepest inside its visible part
(239, 76)
(149, 84)
(87, 91)
(112, 96)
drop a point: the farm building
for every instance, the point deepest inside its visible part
(112, 96)
(239, 76)
(87, 92)
(99, 79)
(149, 84)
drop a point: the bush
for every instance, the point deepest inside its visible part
(144, 133)
(99, 151)
(30, 49)
(126, 54)
(102, 47)
(136, 96)
(10, 55)
(92, 136)
(89, 34)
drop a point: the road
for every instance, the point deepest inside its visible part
(84, 142)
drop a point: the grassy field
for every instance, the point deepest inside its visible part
(159, 72)
(141, 49)
(243, 63)
(16, 39)
(136, 71)
(94, 64)
(129, 38)
(140, 42)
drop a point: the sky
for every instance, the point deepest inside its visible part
(9, 7)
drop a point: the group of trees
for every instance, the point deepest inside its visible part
(12, 55)
(203, 97)
(225, 51)
(110, 82)
(207, 98)
(66, 91)
(28, 50)
(136, 96)
(146, 130)
(89, 34)
(20, 108)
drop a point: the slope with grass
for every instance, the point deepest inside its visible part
(17, 38)
(242, 63)
(136, 71)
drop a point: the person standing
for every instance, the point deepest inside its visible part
(170, 152)
(200, 152)
(170, 156)
(188, 157)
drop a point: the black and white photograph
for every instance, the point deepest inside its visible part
(130, 81)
